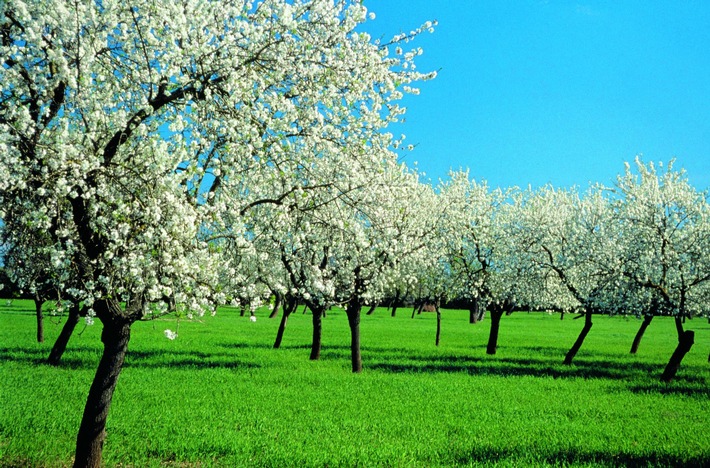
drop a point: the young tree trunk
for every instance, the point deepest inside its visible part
(420, 308)
(288, 308)
(277, 304)
(438, 325)
(496, 314)
(40, 318)
(684, 344)
(578, 344)
(353, 312)
(317, 331)
(639, 335)
(562, 315)
(63, 339)
(90, 440)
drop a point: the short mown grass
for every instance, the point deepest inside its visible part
(219, 395)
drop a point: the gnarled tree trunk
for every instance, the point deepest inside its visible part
(580, 339)
(60, 345)
(89, 442)
(639, 335)
(289, 307)
(277, 304)
(372, 308)
(685, 342)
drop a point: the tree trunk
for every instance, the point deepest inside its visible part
(288, 308)
(40, 318)
(562, 315)
(496, 314)
(317, 331)
(372, 309)
(679, 328)
(277, 304)
(420, 308)
(90, 440)
(684, 344)
(353, 311)
(438, 325)
(578, 344)
(63, 339)
(473, 311)
(639, 335)
(395, 304)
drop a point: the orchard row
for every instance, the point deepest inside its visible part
(165, 158)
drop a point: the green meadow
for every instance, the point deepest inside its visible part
(219, 395)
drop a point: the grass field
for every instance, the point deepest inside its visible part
(219, 395)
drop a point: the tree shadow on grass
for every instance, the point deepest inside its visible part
(490, 455)
(87, 358)
(609, 369)
(193, 360)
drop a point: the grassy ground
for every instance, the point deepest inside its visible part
(219, 395)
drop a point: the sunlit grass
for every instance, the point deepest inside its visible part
(220, 395)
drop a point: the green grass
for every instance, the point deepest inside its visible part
(220, 396)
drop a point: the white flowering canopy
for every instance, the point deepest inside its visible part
(129, 131)
(665, 225)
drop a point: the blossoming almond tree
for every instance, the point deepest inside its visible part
(477, 248)
(666, 232)
(571, 241)
(120, 122)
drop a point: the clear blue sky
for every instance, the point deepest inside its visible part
(561, 92)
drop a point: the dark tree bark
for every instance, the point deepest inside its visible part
(40, 318)
(63, 339)
(277, 304)
(317, 312)
(372, 308)
(414, 310)
(496, 314)
(353, 312)
(580, 340)
(679, 327)
(685, 342)
(395, 304)
(89, 442)
(438, 325)
(639, 335)
(288, 308)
